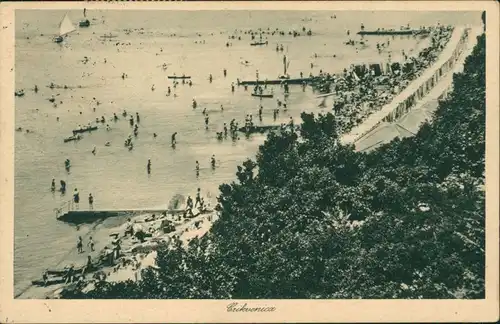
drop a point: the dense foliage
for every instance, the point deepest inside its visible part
(312, 218)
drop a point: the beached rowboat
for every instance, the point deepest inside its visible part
(90, 216)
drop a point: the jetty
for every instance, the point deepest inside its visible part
(393, 32)
(277, 81)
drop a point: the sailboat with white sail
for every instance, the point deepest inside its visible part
(65, 27)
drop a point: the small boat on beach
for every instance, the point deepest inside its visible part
(263, 95)
(179, 77)
(62, 272)
(55, 280)
(83, 130)
(76, 137)
(65, 27)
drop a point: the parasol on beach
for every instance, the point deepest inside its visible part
(176, 201)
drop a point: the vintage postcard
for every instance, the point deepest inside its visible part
(249, 161)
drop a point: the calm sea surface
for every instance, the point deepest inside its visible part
(117, 177)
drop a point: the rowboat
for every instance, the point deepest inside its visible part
(84, 23)
(19, 93)
(65, 27)
(72, 138)
(83, 130)
(179, 77)
(262, 95)
(258, 43)
(258, 129)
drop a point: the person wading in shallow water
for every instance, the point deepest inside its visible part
(149, 166)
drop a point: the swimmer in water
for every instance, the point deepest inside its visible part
(154, 135)
(204, 111)
(221, 108)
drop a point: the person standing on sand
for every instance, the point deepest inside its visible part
(90, 244)
(79, 245)
(198, 198)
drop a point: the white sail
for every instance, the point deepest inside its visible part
(66, 26)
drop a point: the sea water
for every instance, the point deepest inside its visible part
(117, 177)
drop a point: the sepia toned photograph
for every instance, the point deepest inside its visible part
(248, 154)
